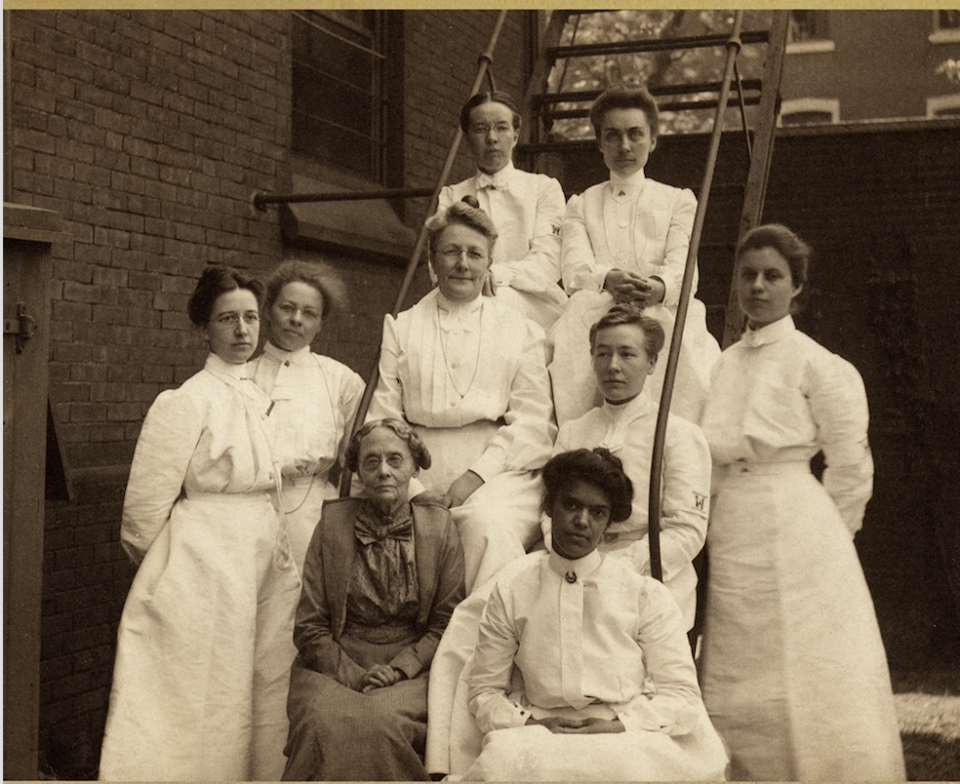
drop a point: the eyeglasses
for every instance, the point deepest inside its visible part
(453, 253)
(232, 319)
(288, 309)
(483, 129)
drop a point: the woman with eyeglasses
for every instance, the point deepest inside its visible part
(469, 373)
(526, 208)
(381, 579)
(313, 398)
(206, 636)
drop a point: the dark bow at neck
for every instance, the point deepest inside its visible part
(372, 527)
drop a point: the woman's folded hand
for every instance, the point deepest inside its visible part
(562, 725)
(380, 676)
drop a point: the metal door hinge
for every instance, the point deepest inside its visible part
(24, 326)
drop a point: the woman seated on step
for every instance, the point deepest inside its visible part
(623, 347)
(469, 374)
(627, 240)
(381, 578)
(526, 207)
(583, 670)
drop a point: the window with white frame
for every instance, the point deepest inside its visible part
(943, 106)
(809, 111)
(946, 26)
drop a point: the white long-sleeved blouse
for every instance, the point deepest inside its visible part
(315, 399)
(779, 396)
(628, 432)
(608, 637)
(508, 383)
(646, 230)
(207, 436)
(527, 210)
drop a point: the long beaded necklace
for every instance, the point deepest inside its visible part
(446, 363)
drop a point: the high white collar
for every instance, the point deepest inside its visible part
(629, 184)
(499, 179)
(220, 367)
(282, 355)
(771, 333)
(459, 306)
(641, 404)
(579, 567)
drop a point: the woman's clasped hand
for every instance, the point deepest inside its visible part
(379, 676)
(381, 578)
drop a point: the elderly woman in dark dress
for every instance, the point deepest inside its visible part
(381, 578)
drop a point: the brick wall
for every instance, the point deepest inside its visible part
(878, 204)
(148, 132)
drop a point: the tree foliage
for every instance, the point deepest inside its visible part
(652, 69)
(950, 69)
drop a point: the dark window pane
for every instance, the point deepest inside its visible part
(346, 62)
(339, 103)
(353, 152)
(808, 26)
(808, 118)
(948, 20)
(336, 89)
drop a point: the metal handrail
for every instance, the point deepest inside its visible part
(655, 44)
(484, 62)
(733, 45)
(690, 88)
(261, 200)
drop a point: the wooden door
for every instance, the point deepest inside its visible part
(27, 242)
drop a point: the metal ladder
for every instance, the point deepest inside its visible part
(759, 144)
(764, 93)
(745, 196)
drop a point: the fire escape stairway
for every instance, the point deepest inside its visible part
(740, 193)
(743, 164)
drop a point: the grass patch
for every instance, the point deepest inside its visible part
(928, 709)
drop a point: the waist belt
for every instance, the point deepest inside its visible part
(741, 468)
(227, 498)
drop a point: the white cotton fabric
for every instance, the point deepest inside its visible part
(501, 427)
(527, 211)
(589, 638)
(628, 431)
(314, 401)
(645, 231)
(205, 640)
(793, 668)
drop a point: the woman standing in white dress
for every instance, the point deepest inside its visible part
(313, 398)
(793, 669)
(469, 373)
(205, 641)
